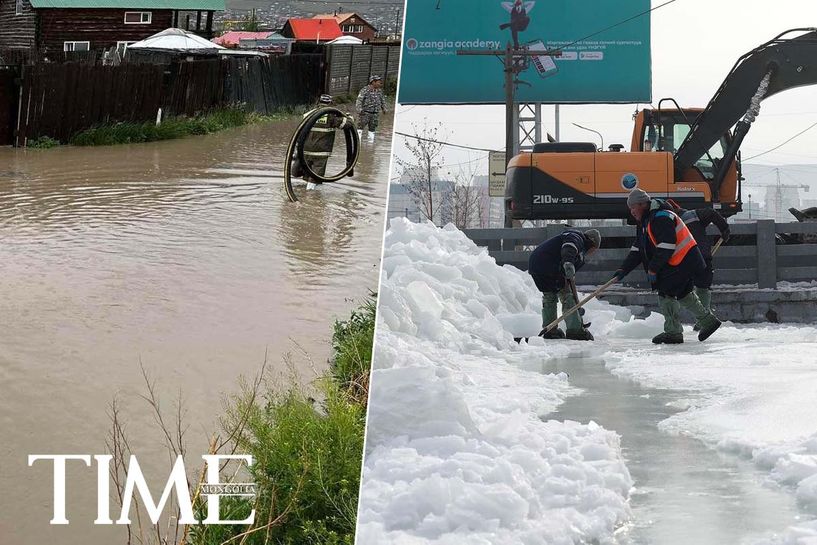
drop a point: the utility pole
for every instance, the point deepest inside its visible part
(514, 63)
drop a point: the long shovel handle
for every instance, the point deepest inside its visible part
(581, 303)
(572, 283)
(717, 245)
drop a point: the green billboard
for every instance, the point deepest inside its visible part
(611, 66)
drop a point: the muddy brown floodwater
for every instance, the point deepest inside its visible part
(184, 255)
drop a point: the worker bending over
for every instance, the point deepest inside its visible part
(553, 265)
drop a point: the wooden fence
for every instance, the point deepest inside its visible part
(8, 104)
(760, 260)
(59, 100)
(350, 66)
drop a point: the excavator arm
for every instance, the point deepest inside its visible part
(778, 65)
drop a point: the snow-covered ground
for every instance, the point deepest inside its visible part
(457, 447)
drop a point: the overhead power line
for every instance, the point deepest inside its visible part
(414, 136)
(783, 143)
(605, 29)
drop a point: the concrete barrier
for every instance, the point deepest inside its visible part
(753, 257)
(787, 304)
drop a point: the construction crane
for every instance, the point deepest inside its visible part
(777, 197)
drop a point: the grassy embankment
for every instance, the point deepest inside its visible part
(307, 452)
(174, 127)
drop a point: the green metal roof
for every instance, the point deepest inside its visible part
(191, 5)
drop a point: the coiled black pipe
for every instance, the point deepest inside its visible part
(296, 148)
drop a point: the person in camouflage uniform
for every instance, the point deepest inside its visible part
(320, 141)
(370, 103)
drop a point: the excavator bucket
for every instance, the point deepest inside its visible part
(790, 61)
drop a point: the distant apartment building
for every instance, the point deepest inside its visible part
(403, 205)
(778, 200)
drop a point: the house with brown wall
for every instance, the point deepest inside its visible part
(352, 24)
(49, 26)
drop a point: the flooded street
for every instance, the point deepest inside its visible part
(684, 492)
(183, 255)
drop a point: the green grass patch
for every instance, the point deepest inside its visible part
(307, 444)
(390, 87)
(43, 142)
(174, 127)
(352, 349)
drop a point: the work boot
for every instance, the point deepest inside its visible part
(573, 321)
(668, 338)
(554, 333)
(673, 332)
(549, 300)
(708, 322)
(705, 296)
(709, 325)
(579, 335)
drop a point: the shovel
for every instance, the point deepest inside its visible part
(572, 283)
(581, 303)
(716, 246)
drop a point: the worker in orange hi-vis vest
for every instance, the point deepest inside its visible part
(670, 255)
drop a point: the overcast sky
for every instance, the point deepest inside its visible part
(694, 45)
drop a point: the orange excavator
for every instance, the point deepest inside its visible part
(690, 155)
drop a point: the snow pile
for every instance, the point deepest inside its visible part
(457, 451)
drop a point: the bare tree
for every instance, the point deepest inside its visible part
(419, 171)
(465, 200)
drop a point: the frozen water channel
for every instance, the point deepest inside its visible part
(684, 491)
(473, 438)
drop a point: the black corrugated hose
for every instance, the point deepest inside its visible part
(296, 148)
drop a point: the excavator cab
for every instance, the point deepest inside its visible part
(666, 130)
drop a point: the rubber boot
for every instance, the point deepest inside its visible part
(709, 323)
(705, 296)
(371, 136)
(673, 332)
(554, 333)
(580, 335)
(548, 315)
(575, 327)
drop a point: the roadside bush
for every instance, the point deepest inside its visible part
(352, 349)
(307, 445)
(170, 128)
(390, 87)
(43, 142)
